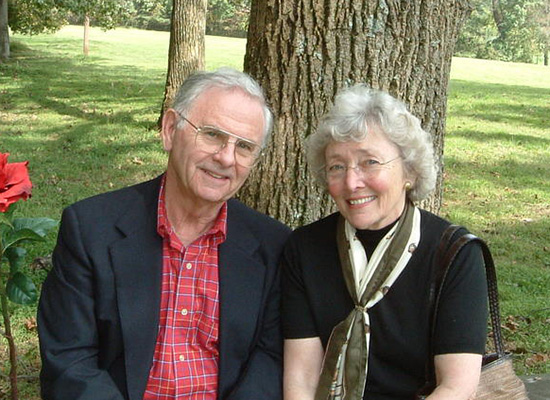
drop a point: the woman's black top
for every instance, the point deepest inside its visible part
(315, 299)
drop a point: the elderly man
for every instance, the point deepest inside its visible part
(170, 288)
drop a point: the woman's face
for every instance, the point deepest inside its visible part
(367, 180)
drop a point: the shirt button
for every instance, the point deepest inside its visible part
(182, 358)
(188, 266)
(184, 311)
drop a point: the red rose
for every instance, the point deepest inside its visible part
(15, 183)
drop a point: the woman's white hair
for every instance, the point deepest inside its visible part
(359, 107)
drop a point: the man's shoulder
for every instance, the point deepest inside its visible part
(255, 220)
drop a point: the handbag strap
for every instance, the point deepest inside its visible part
(447, 251)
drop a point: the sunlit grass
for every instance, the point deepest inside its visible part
(497, 157)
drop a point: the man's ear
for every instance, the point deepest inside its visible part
(169, 128)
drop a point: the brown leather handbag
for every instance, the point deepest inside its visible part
(498, 380)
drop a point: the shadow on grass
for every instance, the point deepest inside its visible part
(85, 99)
(510, 104)
(503, 137)
(85, 126)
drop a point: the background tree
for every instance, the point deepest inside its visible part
(303, 52)
(28, 17)
(517, 39)
(508, 30)
(105, 13)
(186, 52)
(36, 16)
(541, 16)
(150, 14)
(227, 17)
(4, 31)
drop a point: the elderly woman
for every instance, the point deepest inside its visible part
(356, 284)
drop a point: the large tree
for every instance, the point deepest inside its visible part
(302, 52)
(186, 52)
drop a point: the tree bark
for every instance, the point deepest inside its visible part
(186, 52)
(86, 41)
(498, 17)
(4, 31)
(303, 51)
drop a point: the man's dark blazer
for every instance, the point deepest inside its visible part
(99, 308)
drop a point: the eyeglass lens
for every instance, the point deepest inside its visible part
(365, 168)
(213, 141)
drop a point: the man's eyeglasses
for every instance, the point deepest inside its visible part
(365, 168)
(212, 140)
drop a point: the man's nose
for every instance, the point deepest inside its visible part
(226, 154)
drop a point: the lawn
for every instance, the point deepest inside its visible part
(87, 125)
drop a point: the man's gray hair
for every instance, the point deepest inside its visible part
(227, 79)
(358, 107)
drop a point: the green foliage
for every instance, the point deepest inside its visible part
(104, 13)
(15, 232)
(227, 17)
(508, 30)
(517, 40)
(150, 14)
(35, 16)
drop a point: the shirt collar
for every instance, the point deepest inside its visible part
(164, 227)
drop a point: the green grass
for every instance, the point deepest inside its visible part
(87, 125)
(497, 158)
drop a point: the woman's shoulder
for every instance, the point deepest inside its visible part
(320, 226)
(315, 233)
(434, 226)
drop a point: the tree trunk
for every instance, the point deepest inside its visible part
(186, 52)
(546, 57)
(86, 45)
(498, 17)
(4, 31)
(302, 52)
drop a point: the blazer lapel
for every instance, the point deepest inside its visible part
(242, 277)
(137, 265)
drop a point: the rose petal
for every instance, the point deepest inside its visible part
(15, 183)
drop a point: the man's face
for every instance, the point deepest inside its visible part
(199, 177)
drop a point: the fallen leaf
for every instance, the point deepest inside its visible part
(537, 358)
(30, 324)
(42, 263)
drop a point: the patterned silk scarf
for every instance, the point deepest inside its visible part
(345, 365)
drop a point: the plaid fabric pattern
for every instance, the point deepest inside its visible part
(185, 363)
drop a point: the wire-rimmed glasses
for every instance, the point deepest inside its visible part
(212, 140)
(365, 168)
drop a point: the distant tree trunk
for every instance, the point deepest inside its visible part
(546, 57)
(498, 17)
(86, 45)
(186, 53)
(4, 31)
(303, 52)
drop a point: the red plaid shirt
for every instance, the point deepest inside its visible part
(185, 363)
